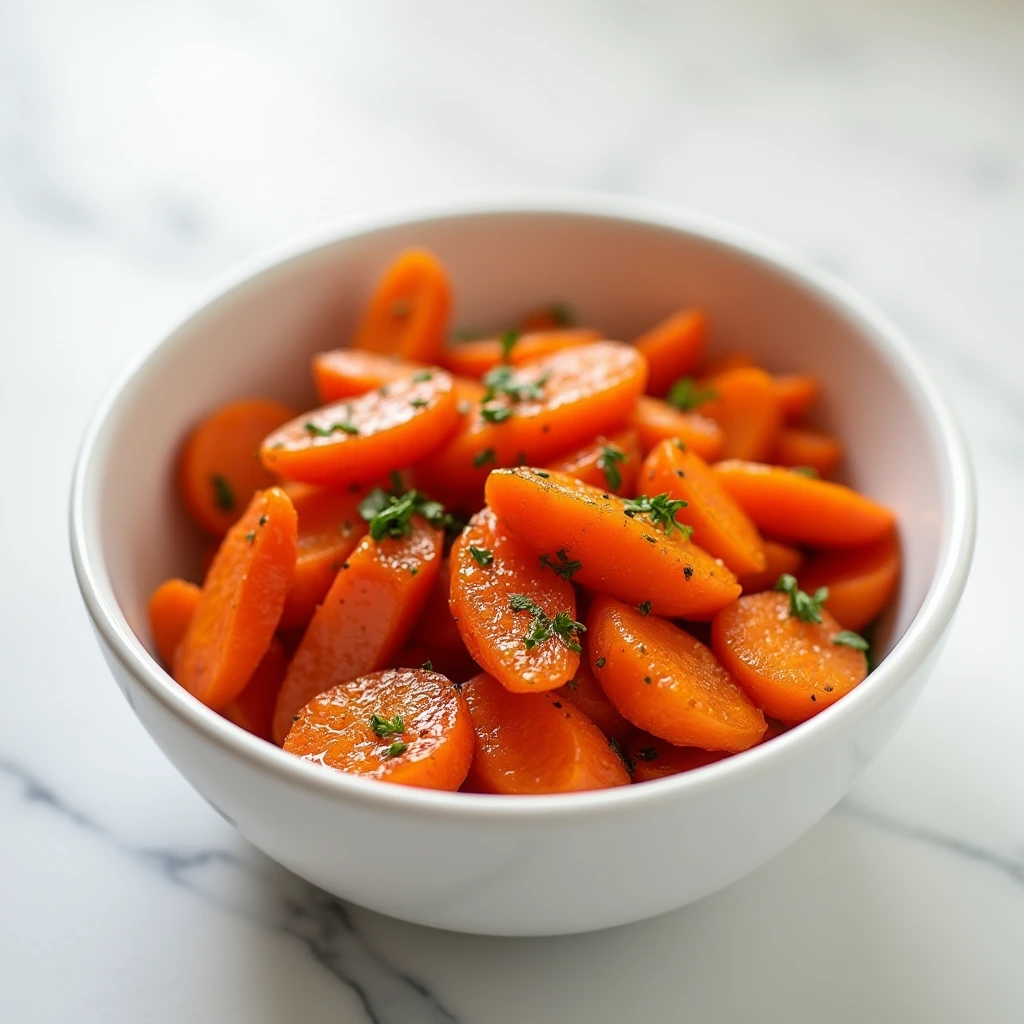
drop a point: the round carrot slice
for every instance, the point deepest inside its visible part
(241, 602)
(633, 549)
(796, 393)
(535, 743)
(584, 692)
(720, 526)
(408, 726)
(664, 681)
(253, 709)
(436, 632)
(347, 372)
(799, 509)
(366, 437)
(611, 462)
(747, 411)
(219, 470)
(778, 559)
(407, 315)
(673, 348)
(656, 421)
(791, 668)
(475, 358)
(516, 614)
(171, 608)
(655, 758)
(810, 448)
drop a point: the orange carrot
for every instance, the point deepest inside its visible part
(219, 470)
(810, 448)
(253, 709)
(796, 393)
(407, 726)
(673, 348)
(790, 667)
(726, 362)
(241, 601)
(367, 436)
(664, 681)
(778, 559)
(475, 358)
(720, 526)
(656, 421)
(537, 412)
(632, 549)
(747, 411)
(584, 693)
(347, 372)
(330, 527)
(860, 581)
(516, 615)
(535, 743)
(436, 632)
(611, 463)
(364, 619)
(654, 758)
(171, 608)
(801, 510)
(407, 315)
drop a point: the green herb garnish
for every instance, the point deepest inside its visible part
(311, 428)
(622, 755)
(542, 627)
(387, 726)
(660, 510)
(808, 471)
(419, 403)
(600, 662)
(647, 754)
(566, 567)
(561, 314)
(496, 413)
(396, 748)
(847, 638)
(390, 513)
(420, 376)
(481, 556)
(608, 462)
(428, 665)
(644, 607)
(508, 340)
(222, 493)
(686, 394)
(805, 607)
(502, 381)
(482, 458)
(250, 536)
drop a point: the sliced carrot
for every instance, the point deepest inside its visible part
(407, 726)
(797, 447)
(747, 411)
(790, 668)
(802, 510)
(547, 318)
(655, 758)
(535, 743)
(720, 526)
(620, 549)
(673, 348)
(330, 527)
(611, 463)
(366, 437)
(171, 608)
(726, 362)
(364, 619)
(796, 393)
(219, 470)
(436, 632)
(860, 581)
(253, 709)
(656, 421)
(347, 372)
(778, 559)
(583, 392)
(241, 601)
(506, 604)
(407, 315)
(584, 692)
(664, 681)
(475, 358)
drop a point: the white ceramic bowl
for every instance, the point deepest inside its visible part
(549, 864)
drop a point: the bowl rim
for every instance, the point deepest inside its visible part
(908, 654)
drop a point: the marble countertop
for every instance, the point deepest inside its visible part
(146, 147)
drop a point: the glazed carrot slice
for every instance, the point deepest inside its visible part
(860, 581)
(241, 601)
(584, 693)
(726, 362)
(674, 348)
(436, 632)
(547, 318)
(656, 421)
(791, 668)
(407, 315)
(516, 615)
(796, 393)
(540, 411)
(330, 527)
(720, 526)
(475, 358)
(611, 463)
(633, 549)
(218, 471)
(253, 709)
(535, 743)
(655, 758)
(407, 726)
(778, 559)
(347, 372)
(809, 449)
(747, 411)
(171, 608)
(366, 437)
(801, 510)
(364, 619)
(664, 681)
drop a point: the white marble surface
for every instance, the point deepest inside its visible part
(145, 147)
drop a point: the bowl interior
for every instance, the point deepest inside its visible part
(617, 274)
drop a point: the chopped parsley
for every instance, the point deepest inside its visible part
(687, 394)
(644, 607)
(540, 473)
(496, 413)
(428, 665)
(262, 520)
(542, 627)
(808, 471)
(660, 510)
(805, 607)
(387, 726)
(566, 567)
(396, 748)
(390, 513)
(608, 462)
(481, 556)
(250, 536)
(482, 458)
(600, 662)
(421, 376)
(502, 381)
(317, 431)
(508, 340)
(647, 754)
(847, 638)
(622, 755)
(561, 314)
(222, 493)
(419, 403)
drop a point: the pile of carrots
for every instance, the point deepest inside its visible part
(532, 562)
